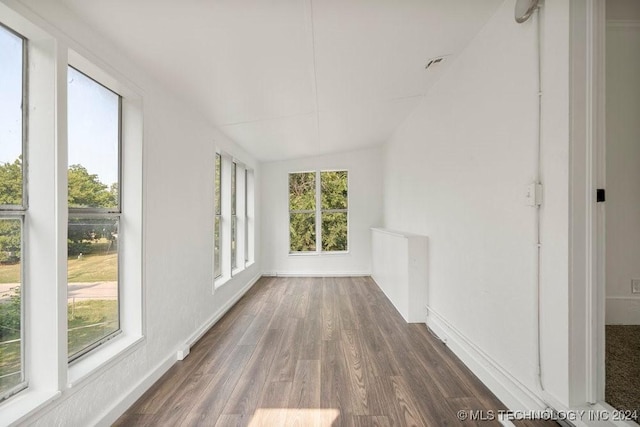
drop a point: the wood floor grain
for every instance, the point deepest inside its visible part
(314, 352)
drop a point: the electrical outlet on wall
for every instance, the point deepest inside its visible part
(635, 286)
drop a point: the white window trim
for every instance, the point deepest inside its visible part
(250, 217)
(20, 213)
(318, 218)
(130, 225)
(217, 278)
(245, 211)
(240, 218)
(47, 371)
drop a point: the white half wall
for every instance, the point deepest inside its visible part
(623, 174)
(457, 171)
(178, 176)
(365, 211)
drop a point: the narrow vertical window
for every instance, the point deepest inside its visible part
(217, 227)
(302, 212)
(246, 216)
(250, 215)
(234, 218)
(94, 134)
(334, 215)
(13, 208)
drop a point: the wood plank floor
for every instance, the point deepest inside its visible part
(314, 352)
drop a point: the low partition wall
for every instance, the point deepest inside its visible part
(399, 267)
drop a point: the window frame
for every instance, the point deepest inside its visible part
(318, 211)
(94, 212)
(20, 212)
(322, 211)
(131, 232)
(233, 175)
(234, 216)
(44, 248)
(246, 216)
(217, 212)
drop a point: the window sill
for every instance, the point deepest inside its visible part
(304, 254)
(220, 282)
(17, 409)
(102, 358)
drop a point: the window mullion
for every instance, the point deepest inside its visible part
(318, 213)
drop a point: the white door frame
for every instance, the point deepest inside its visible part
(586, 173)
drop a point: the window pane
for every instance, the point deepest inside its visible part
(234, 240)
(216, 248)
(93, 281)
(246, 216)
(302, 232)
(233, 188)
(302, 191)
(334, 190)
(334, 231)
(217, 183)
(234, 219)
(11, 373)
(11, 65)
(94, 139)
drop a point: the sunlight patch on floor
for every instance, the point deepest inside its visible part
(294, 417)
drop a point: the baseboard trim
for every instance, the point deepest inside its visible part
(199, 333)
(317, 274)
(514, 394)
(118, 408)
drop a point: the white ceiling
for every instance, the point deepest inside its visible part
(292, 78)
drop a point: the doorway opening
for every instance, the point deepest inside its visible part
(622, 207)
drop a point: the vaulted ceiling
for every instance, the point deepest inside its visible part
(293, 78)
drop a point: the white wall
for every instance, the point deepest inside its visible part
(622, 171)
(365, 211)
(178, 228)
(457, 171)
(623, 9)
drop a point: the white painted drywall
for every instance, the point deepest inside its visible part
(399, 267)
(457, 171)
(178, 232)
(365, 211)
(623, 9)
(623, 170)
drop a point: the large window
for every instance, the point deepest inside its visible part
(66, 221)
(13, 208)
(94, 131)
(234, 216)
(217, 227)
(318, 212)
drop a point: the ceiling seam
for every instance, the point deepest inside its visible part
(315, 71)
(267, 119)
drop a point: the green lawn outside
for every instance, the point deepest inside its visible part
(89, 320)
(98, 266)
(93, 268)
(10, 273)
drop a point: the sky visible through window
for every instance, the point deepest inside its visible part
(11, 99)
(93, 118)
(93, 127)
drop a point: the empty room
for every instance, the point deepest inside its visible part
(319, 212)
